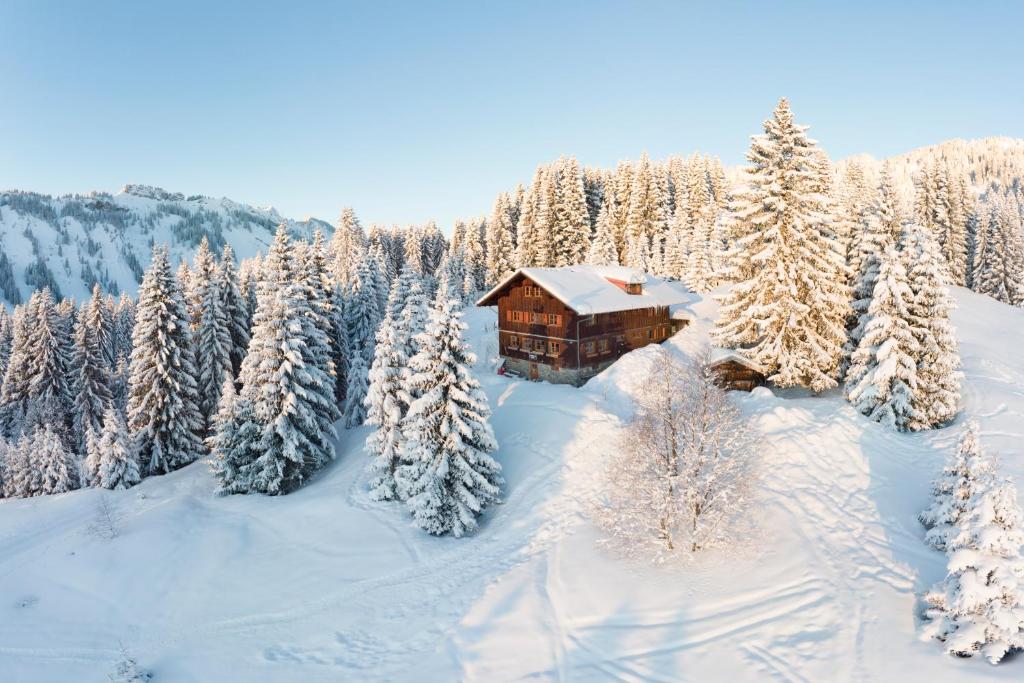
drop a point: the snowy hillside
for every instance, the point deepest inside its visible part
(325, 585)
(73, 241)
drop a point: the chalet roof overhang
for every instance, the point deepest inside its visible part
(589, 290)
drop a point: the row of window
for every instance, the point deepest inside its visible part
(533, 318)
(552, 348)
(531, 290)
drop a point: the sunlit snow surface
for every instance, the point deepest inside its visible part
(325, 585)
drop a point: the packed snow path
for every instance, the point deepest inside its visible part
(325, 584)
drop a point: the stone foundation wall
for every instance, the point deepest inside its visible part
(549, 374)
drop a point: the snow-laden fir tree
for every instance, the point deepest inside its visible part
(48, 366)
(677, 245)
(386, 397)
(24, 471)
(602, 250)
(163, 408)
(968, 467)
(234, 306)
(93, 374)
(570, 235)
(313, 284)
(201, 274)
(6, 339)
(878, 229)
(680, 479)
(118, 467)
(234, 440)
(475, 260)
(938, 360)
(1000, 272)
(58, 467)
(124, 323)
(284, 437)
(882, 380)
(979, 607)
(448, 476)
(362, 315)
(499, 248)
(788, 308)
(648, 202)
(214, 347)
(389, 394)
(527, 236)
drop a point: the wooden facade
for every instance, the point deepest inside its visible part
(542, 338)
(737, 376)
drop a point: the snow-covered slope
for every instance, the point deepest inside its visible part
(325, 585)
(73, 241)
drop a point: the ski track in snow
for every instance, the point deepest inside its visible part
(326, 584)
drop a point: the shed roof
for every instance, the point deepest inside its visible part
(720, 355)
(589, 289)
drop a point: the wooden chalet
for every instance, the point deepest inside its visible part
(565, 325)
(735, 371)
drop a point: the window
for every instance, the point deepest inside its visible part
(527, 343)
(531, 290)
(602, 345)
(588, 348)
(650, 333)
(554, 319)
(513, 342)
(517, 316)
(554, 348)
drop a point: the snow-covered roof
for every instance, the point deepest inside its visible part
(719, 355)
(590, 289)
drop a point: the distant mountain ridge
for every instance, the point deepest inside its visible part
(68, 242)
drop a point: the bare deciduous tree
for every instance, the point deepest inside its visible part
(681, 477)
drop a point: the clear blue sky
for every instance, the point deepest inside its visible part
(425, 110)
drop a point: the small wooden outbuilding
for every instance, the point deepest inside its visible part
(735, 371)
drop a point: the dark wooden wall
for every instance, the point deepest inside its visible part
(621, 331)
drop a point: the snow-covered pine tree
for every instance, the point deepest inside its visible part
(92, 396)
(284, 437)
(98, 314)
(570, 235)
(163, 408)
(979, 607)
(6, 339)
(526, 227)
(49, 390)
(882, 380)
(965, 471)
(202, 273)
(347, 247)
(1001, 265)
(647, 219)
(14, 394)
(234, 440)
(475, 260)
(499, 241)
(314, 285)
(602, 249)
(118, 467)
(699, 267)
(236, 309)
(57, 465)
(788, 308)
(938, 360)
(386, 399)
(214, 347)
(448, 477)
(879, 229)
(362, 315)
(124, 323)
